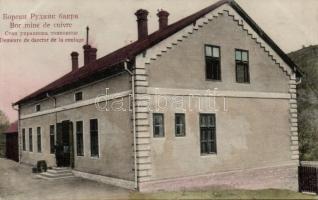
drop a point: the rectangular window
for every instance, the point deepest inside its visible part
(37, 107)
(242, 66)
(158, 125)
(94, 137)
(78, 96)
(79, 138)
(30, 140)
(212, 62)
(23, 140)
(39, 141)
(52, 139)
(179, 124)
(207, 134)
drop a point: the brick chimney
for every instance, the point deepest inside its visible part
(163, 19)
(87, 49)
(74, 56)
(142, 23)
(89, 52)
(92, 55)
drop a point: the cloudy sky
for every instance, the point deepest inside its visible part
(25, 67)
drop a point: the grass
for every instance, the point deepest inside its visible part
(225, 194)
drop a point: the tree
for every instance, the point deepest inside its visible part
(307, 92)
(4, 123)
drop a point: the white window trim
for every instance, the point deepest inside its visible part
(80, 91)
(54, 132)
(208, 155)
(28, 147)
(75, 146)
(41, 131)
(89, 135)
(35, 110)
(151, 125)
(185, 124)
(25, 139)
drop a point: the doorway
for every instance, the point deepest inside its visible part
(12, 150)
(64, 148)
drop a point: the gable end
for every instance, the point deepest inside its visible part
(164, 46)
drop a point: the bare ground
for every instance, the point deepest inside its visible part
(18, 183)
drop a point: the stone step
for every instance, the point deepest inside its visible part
(54, 178)
(61, 168)
(49, 174)
(56, 173)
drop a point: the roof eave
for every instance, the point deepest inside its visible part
(98, 75)
(265, 37)
(150, 41)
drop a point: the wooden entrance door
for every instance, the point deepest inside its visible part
(12, 151)
(64, 144)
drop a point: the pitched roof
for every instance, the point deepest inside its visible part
(13, 128)
(112, 60)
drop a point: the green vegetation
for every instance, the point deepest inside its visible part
(307, 91)
(224, 194)
(4, 123)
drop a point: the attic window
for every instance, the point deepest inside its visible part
(78, 96)
(37, 107)
(212, 62)
(242, 66)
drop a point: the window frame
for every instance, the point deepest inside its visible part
(23, 139)
(37, 107)
(50, 133)
(154, 126)
(215, 135)
(76, 134)
(175, 125)
(244, 63)
(214, 58)
(98, 140)
(39, 139)
(30, 140)
(78, 92)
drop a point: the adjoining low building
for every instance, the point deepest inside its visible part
(12, 142)
(207, 100)
(2, 145)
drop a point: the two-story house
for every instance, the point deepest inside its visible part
(207, 100)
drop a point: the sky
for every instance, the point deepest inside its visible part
(26, 67)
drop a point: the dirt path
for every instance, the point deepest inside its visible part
(18, 183)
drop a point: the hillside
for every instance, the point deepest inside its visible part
(307, 59)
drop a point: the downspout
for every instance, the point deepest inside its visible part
(19, 138)
(54, 100)
(299, 81)
(134, 120)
